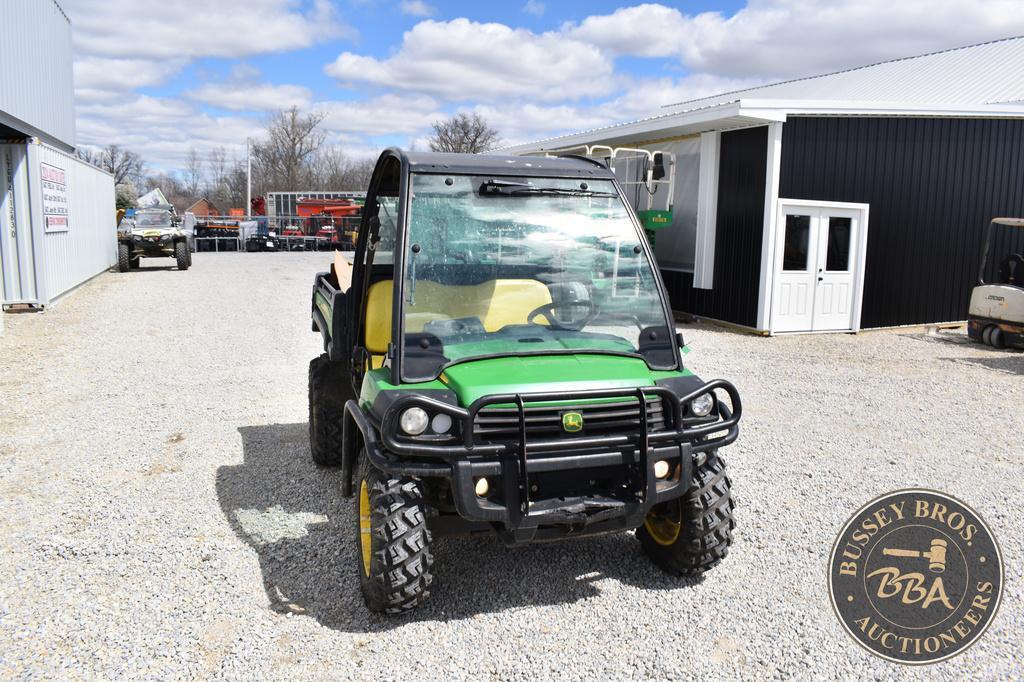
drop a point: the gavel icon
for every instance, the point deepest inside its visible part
(936, 555)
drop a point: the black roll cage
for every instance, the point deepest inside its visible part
(459, 164)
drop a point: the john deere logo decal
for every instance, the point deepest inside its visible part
(915, 576)
(572, 422)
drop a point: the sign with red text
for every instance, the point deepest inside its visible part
(55, 198)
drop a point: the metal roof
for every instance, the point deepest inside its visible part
(988, 73)
(978, 80)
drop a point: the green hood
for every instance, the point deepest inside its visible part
(545, 373)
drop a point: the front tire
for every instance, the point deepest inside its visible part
(181, 255)
(394, 557)
(124, 258)
(692, 534)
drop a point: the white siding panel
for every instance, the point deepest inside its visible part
(36, 82)
(90, 244)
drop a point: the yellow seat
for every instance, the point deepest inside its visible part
(497, 303)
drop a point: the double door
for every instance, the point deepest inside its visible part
(817, 268)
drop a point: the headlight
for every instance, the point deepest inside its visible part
(165, 237)
(441, 423)
(701, 405)
(414, 421)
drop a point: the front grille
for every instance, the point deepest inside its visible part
(493, 423)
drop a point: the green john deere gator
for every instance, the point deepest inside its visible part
(500, 357)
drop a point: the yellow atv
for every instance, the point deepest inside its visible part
(153, 235)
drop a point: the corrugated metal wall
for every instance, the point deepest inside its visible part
(90, 245)
(743, 158)
(40, 264)
(18, 284)
(35, 69)
(932, 184)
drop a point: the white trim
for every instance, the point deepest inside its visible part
(819, 107)
(861, 253)
(771, 195)
(707, 212)
(758, 111)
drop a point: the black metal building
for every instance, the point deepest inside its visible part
(858, 199)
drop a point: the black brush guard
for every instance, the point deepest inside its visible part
(683, 442)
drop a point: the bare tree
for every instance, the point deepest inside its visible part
(193, 173)
(217, 189)
(293, 139)
(125, 165)
(463, 133)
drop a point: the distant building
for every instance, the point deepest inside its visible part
(203, 208)
(851, 200)
(57, 215)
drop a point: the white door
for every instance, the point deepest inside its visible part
(817, 268)
(795, 268)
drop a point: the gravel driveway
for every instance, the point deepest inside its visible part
(160, 516)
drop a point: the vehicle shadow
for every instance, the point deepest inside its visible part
(292, 513)
(1013, 365)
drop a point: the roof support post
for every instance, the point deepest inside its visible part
(768, 237)
(707, 211)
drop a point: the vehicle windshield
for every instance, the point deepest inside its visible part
(152, 220)
(516, 266)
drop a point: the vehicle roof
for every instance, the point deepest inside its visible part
(494, 164)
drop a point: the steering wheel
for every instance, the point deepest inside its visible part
(1011, 270)
(572, 325)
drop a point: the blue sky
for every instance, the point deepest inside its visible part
(185, 74)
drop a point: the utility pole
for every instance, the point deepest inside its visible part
(248, 179)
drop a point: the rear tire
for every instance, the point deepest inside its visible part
(986, 334)
(692, 534)
(996, 337)
(181, 255)
(124, 258)
(326, 410)
(394, 558)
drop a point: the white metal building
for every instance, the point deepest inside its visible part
(57, 213)
(775, 184)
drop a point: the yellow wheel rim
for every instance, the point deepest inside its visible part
(364, 526)
(663, 525)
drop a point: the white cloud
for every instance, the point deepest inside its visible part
(534, 7)
(251, 96)
(385, 115)
(244, 91)
(794, 38)
(119, 75)
(466, 60)
(162, 130)
(178, 30)
(417, 8)
(164, 37)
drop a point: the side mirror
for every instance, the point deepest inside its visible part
(679, 340)
(659, 166)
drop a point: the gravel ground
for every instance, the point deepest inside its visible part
(160, 516)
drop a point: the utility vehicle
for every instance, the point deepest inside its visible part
(154, 234)
(996, 313)
(500, 357)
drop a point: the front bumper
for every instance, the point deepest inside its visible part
(521, 516)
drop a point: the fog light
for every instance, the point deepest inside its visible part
(414, 421)
(660, 469)
(441, 423)
(482, 486)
